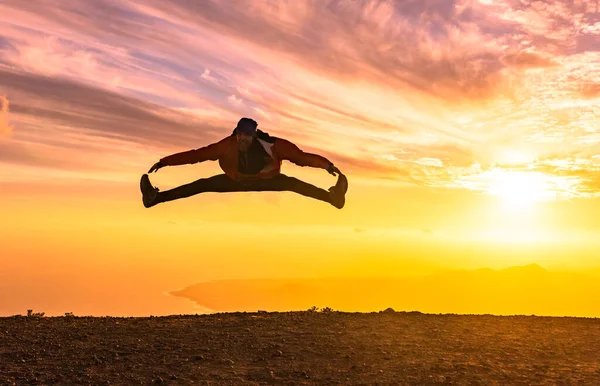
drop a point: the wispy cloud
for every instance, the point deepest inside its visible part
(234, 100)
(5, 128)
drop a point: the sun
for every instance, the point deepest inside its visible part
(520, 189)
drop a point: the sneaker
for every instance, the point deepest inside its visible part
(149, 192)
(338, 192)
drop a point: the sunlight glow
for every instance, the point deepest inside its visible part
(516, 157)
(520, 189)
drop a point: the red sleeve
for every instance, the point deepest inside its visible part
(211, 152)
(286, 150)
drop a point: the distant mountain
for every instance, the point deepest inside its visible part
(528, 289)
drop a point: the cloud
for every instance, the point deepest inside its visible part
(101, 111)
(5, 128)
(590, 91)
(234, 100)
(528, 60)
(206, 74)
(52, 58)
(453, 58)
(261, 112)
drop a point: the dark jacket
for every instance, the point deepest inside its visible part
(226, 152)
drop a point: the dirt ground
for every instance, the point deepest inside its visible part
(296, 348)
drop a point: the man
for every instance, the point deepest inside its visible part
(251, 160)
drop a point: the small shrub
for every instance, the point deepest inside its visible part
(31, 314)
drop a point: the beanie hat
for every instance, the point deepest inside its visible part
(246, 125)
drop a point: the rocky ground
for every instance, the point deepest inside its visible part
(299, 348)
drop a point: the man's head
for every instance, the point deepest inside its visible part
(245, 132)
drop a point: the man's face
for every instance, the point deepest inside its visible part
(244, 141)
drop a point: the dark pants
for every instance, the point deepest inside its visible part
(221, 183)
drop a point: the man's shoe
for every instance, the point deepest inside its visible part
(338, 192)
(149, 192)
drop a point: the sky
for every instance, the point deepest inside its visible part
(468, 130)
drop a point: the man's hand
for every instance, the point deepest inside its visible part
(155, 167)
(332, 170)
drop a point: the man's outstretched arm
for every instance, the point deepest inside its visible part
(289, 151)
(211, 152)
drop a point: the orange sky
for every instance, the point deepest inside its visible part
(468, 130)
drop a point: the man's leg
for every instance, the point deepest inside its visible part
(281, 182)
(218, 183)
